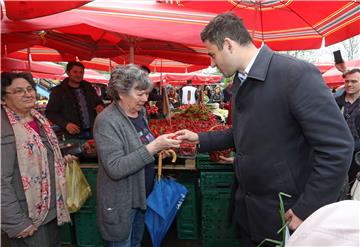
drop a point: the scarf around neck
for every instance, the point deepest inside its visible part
(34, 167)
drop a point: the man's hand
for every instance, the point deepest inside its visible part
(29, 231)
(226, 160)
(294, 221)
(72, 128)
(341, 67)
(187, 135)
(99, 108)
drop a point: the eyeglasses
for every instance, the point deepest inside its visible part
(351, 81)
(21, 91)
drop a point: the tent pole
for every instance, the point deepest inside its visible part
(161, 76)
(29, 59)
(132, 52)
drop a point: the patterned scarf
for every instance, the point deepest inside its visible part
(34, 168)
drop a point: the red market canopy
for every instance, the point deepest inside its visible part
(89, 32)
(40, 53)
(286, 24)
(10, 64)
(324, 66)
(20, 10)
(182, 78)
(333, 77)
(90, 76)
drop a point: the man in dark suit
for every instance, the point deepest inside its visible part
(349, 103)
(288, 132)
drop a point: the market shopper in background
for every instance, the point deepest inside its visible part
(126, 149)
(217, 96)
(33, 203)
(74, 104)
(287, 131)
(349, 103)
(188, 93)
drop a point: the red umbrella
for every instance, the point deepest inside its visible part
(182, 78)
(333, 77)
(41, 53)
(10, 64)
(90, 32)
(20, 10)
(286, 24)
(324, 66)
(90, 76)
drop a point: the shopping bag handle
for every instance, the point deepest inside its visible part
(161, 155)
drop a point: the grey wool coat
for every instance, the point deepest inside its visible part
(289, 137)
(121, 176)
(14, 209)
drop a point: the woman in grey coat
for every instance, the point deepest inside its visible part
(125, 147)
(33, 201)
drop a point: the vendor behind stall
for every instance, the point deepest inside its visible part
(74, 104)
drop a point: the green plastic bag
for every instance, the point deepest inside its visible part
(77, 188)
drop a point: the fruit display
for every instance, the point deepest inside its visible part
(89, 148)
(151, 110)
(196, 118)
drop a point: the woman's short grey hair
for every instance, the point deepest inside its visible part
(124, 77)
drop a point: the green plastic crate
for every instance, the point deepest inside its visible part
(90, 174)
(187, 220)
(67, 234)
(216, 230)
(216, 180)
(87, 232)
(203, 162)
(221, 242)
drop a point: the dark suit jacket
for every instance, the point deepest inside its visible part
(289, 137)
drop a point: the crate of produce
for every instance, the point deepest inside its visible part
(216, 180)
(86, 229)
(188, 217)
(216, 229)
(90, 175)
(67, 234)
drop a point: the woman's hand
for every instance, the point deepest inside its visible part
(29, 231)
(69, 159)
(162, 142)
